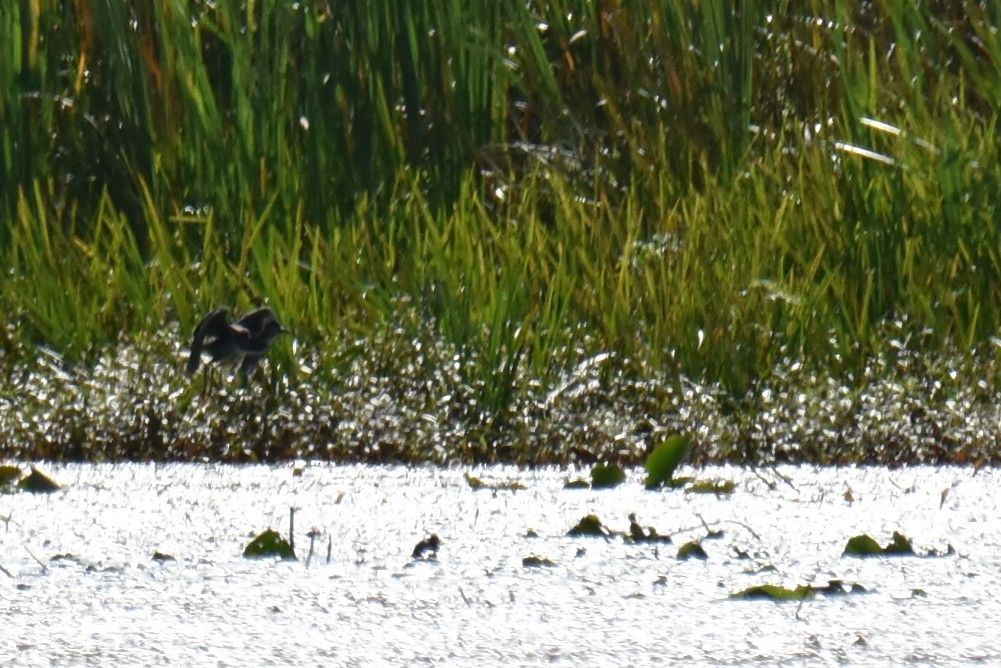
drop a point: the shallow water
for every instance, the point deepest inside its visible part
(83, 587)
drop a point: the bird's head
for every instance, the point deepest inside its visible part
(272, 329)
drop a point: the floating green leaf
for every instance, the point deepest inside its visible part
(768, 592)
(637, 534)
(607, 475)
(269, 544)
(663, 461)
(692, 550)
(839, 588)
(9, 475)
(36, 481)
(427, 548)
(650, 536)
(537, 562)
(900, 546)
(717, 487)
(589, 525)
(864, 545)
(478, 484)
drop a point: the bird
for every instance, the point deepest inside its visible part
(246, 340)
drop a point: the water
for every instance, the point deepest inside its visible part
(83, 587)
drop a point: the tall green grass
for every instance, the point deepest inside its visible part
(702, 188)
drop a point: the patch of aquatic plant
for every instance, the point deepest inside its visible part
(9, 475)
(903, 406)
(777, 593)
(38, 482)
(269, 543)
(639, 534)
(866, 546)
(426, 548)
(589, 525)
(477, 483)
(717, 487)
(692, 550)
(12, 478)
(607, 475)
(405, 395)
(535, 561)
(774, 593)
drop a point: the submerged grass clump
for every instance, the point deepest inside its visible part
(530, 235)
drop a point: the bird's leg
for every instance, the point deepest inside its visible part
(208, 378)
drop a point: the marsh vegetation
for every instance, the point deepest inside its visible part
(558, 231)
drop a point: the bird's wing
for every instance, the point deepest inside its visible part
(255, 321)
(208, 328)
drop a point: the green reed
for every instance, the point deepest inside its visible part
(680, 183)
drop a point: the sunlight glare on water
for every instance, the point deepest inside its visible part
(82, 586)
